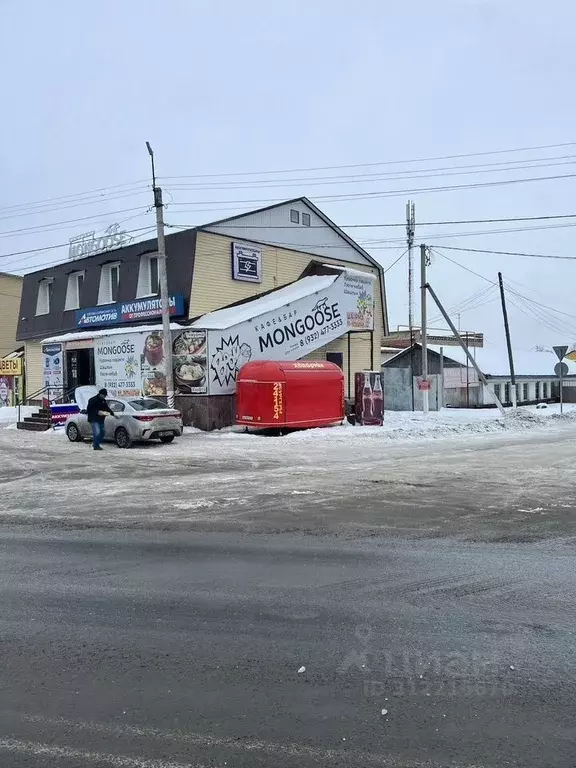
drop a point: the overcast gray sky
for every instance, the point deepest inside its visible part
(223, 87)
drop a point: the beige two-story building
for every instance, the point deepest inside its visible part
(10, 294)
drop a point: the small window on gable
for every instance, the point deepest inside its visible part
(148, 284)
(294, 216)
(44, 298)
(109, 283)
(74, 290)
(306, 219)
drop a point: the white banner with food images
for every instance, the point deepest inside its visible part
(134, 364)
(292, 331)
(118, 365)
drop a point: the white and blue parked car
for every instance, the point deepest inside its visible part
(136, 419)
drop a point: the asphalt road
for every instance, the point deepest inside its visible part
(142, 649)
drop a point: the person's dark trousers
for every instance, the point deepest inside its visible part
(97, 433)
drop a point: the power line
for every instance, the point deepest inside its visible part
(478, 298)
(58, 245)
(392, 192)
(74, 196)
(365, 179)
(87, 201)
(536, 313)
(145, 182)
(37, 267)
(550, 323)
(54, 226)
(506, 253)
(387, 269)
(231, 225)
(539, 303)
(372, 165)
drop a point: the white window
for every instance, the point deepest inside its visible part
(44, 298)
(306, 219)
(148, 275)
(74, 290)
(109, 282)
(294, 216)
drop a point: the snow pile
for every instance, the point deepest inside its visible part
(9, 415)
(412, 425)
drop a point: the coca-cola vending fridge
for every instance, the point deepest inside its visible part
(369, 405)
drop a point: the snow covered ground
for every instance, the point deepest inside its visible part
(398, 426)
(413, 425)
(9, 415)
(455, 470)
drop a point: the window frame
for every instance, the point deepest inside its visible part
(306, 222)
(45, 285)
(73, 297)
(105, 288)
(145, 283)
(294, 216)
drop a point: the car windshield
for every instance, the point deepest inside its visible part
(147, 404)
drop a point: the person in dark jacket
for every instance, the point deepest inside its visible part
(97, 410)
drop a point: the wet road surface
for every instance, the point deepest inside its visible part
(142, 649)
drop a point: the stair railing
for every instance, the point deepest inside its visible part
(62, 398)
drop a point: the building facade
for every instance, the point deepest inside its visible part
(224, 263)
(10, 295)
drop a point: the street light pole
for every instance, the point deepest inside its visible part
(163, 280)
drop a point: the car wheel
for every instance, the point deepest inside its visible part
(167, 439)
(73, 433)
(122, 438)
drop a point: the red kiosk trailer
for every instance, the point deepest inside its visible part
(297, 394)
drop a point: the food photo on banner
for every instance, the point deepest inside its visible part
(189, 359)
(153, 363)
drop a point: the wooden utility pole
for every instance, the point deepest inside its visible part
(508, 343)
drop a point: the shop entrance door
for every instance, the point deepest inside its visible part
(79, 367)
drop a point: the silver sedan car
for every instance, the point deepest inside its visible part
(136, 420)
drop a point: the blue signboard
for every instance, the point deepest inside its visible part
(128, 311)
